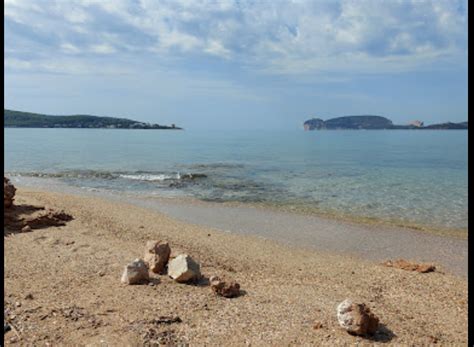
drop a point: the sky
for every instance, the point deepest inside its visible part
(241, 64)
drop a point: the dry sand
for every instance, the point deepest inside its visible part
(62, 287)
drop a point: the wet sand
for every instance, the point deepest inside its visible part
(372, 242)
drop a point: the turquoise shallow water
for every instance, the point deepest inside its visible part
(414, 177)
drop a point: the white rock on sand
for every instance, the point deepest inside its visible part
(135, 273)
(356, 318)
(183, 269)
(157, 254)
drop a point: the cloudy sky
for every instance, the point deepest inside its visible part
(240, 63)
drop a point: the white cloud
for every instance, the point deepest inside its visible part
(17, 64)
(214, 47)
(274, 37)
(103, 48)
(178, 39)
(68, 66)
(76, 15)
(69, 48)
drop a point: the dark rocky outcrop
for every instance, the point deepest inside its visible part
(25, 218)
(8, 193)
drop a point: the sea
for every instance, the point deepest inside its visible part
(413, 178)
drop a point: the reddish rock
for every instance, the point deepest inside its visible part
(8, 193)
(406, 265)
(222, 288)
(356, 318)
(157, 254)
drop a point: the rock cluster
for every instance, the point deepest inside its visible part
(406, 265)
(184, 269)
(157, 255)
(356, 318)
(222, 288)
(181, 268)
(8, 193)
(135, 273)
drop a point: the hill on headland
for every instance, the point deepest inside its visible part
(349, 122)
(372, 122)
(18, 119)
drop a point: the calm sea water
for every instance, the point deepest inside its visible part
(413, 177)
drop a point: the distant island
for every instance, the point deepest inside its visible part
(18, 119)
(373, 122)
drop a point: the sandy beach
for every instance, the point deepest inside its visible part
(62, 284)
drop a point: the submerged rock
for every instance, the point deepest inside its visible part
(356, 318)
(193, 176)
(135, 273)
(222, 288)
(183, 269)
(157, 254)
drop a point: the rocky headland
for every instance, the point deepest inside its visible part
(372, 122)
(18, 119)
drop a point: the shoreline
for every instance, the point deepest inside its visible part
(362, 221)
(369, 241)
(372, 242)
(288, 289)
